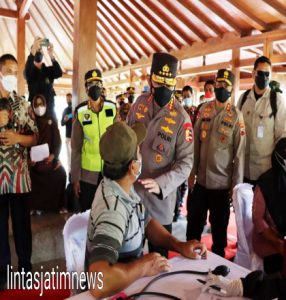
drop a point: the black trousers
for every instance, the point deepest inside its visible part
(273, 263)
(86, 196)
(162, 251)
(217, 202)
(21, 225)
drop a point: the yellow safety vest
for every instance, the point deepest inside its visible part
(94, 125)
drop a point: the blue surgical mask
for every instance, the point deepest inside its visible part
(188, 102)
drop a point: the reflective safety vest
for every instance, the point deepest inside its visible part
(94, 125)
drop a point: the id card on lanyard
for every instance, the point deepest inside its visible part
(260, 131)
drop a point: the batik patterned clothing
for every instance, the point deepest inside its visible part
(14, 172)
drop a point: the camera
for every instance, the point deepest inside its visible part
(45, 42)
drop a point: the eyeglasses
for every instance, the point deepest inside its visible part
(262, 73)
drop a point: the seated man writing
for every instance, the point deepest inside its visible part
(118, 222)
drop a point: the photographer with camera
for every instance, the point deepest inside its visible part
(40, 78)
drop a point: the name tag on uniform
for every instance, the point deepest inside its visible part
(260, 131)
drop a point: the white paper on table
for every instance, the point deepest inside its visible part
(40, 152)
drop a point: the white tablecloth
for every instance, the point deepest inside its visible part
(184, 286)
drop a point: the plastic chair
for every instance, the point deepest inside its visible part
(242, 203)
(75, 235)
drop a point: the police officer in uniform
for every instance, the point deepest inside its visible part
(92, 117)
(167, 150)
(218, 163)
(264, 126)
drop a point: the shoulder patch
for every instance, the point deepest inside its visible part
(188, 128)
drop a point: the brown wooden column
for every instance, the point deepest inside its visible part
(236, 71)
(21, 33)
(267, 48)
(84, 49)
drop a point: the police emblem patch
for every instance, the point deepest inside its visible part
(87, 117)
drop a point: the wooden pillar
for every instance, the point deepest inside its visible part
(236, 71)
(84, 51)
(21, 29)
(267, 48)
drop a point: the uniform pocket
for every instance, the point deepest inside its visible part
(225, 134)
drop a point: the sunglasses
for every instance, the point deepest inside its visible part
(261, 73)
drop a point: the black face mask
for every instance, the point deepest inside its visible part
(131, 99)
(94, 92)
(162, 95)
(38, 57)
(261, 81)
(222, 94)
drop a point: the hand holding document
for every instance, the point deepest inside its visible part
(40, 152)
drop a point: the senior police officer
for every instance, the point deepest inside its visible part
(218, 163)
(167, 151)
(264, 112)
(92, 117)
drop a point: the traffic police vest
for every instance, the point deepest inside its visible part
(94, 126)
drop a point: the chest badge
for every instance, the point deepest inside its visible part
(167, 129)
(170, 121)
(139, 116)
(86, 117)
(158, 158)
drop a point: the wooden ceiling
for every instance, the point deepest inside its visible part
(129, 31)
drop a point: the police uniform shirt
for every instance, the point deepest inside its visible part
(262, 131)
(219, 147)
(167, 152)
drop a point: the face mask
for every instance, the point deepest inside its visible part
(69, 104)
(131, 99)
(94, 92)
(261, 81)
(209, 95)
(188, 101)
(222, 94)
(38, 57)
(139, 171)
(9, 83)
(40, 111)
(162, 95)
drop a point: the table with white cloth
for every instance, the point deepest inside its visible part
(183, 286)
